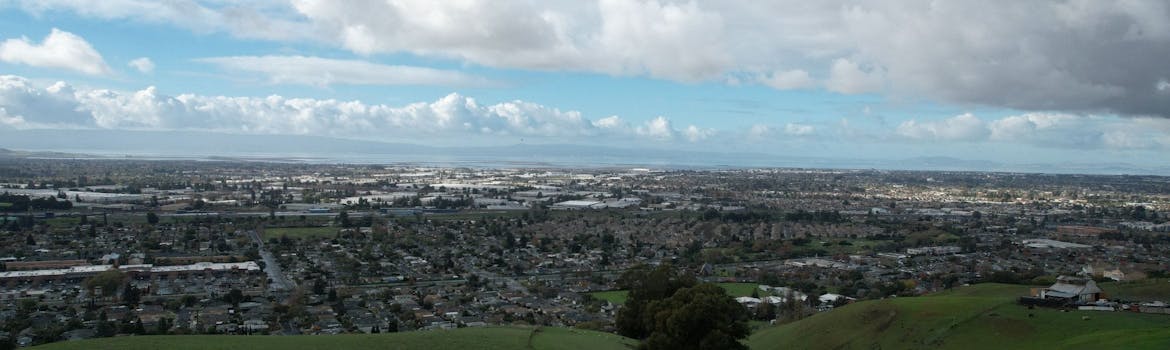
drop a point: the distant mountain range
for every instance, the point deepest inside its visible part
(123, 144)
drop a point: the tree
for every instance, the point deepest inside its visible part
(109, 281)
(164, 326)
(319, 286)
(131, 295)
(234, 297)
(700, 317)
(646, 284)
(343, 219)
(105, 328)
(152, 218)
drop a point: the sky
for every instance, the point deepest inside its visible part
(1077, 81)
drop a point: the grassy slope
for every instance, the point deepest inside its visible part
(976, 317)
(1143, 290)
(464, 338)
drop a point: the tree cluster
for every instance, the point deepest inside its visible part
(670, 310)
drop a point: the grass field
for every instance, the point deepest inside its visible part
(733, 289)
(975, 317)
(613, 296)
(464, 338)
(300, 232)
(1144, 290)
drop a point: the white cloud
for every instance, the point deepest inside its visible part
(667, 40)
(60, 105)
(1022, 127)
(788, 80)
(33, 106)
(317, 71)
(610, 122)
(12, 121)
(60, 49)
(142, 64)
(848, 77)
(794, 129)
(658, 128)
(964, 127)
(696, 134)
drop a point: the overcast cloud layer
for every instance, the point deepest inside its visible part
(1077, 56)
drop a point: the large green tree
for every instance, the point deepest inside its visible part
(646, 284)
(700, 317)
(109, 280)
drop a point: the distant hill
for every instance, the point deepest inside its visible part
(7, 153)
(982, 316)
(204, 145)
(504, 338)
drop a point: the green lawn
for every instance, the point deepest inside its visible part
(301, 232)
(733, 289)
(463, 338)
(613, 296)
(975, 317)
(577, 339)
(65, 222)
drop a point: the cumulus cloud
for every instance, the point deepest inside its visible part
(24, 104)
(319, 71)
(965, 127)
(764, 131)
(1045, 130)
(1021, 127)
(60, 49)
(848, 77)
(696, 134)
(142, 64)
(799, 129)
(610, 122)
(27, 105)
(788, 80)
(658, 128)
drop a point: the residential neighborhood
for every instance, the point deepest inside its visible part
(106, 248)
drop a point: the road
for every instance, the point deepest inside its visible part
(280, 282)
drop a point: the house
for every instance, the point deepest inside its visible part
(1072, 289)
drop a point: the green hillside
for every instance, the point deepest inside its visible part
(975, 317)
(1143, 290)
(463, 338)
